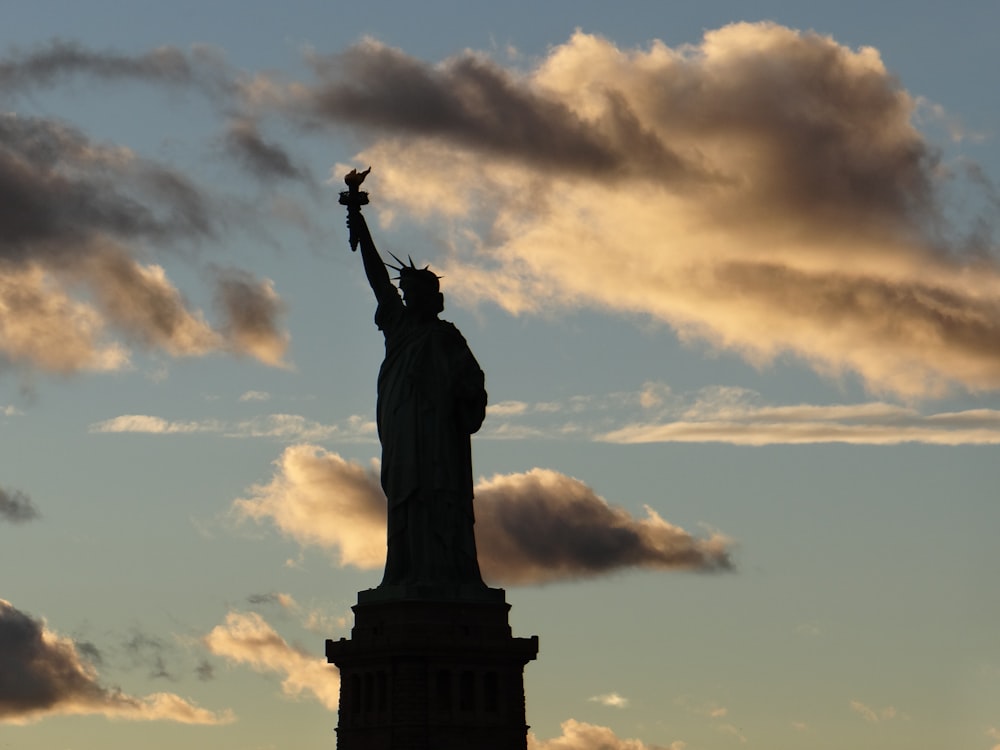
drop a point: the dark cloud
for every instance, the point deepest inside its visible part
(42, 673)
(205, 671)
(267, 160)
(271, 598)
(54, 62)
(544, 526)
(471, 101)
(59, 191)
(76, 214)
(251, 311)
(79, 220)
(36, 673)
(16, 507)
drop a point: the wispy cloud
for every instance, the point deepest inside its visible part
(16, 507)
(255, 396)
(268, 160)
(873, 715)
(691, 184)
(313, 619)
(739, 416)
(144, 423)
(246, 638)
(612, 700)
(44, 675)
(579, 735)
(52, 63)
(710, 709)
(532, 527)
(733, 731)
(150, 652)
(652, 414)
(281, 427)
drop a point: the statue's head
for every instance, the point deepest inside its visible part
(421, 288)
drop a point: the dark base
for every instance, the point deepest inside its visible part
(425, 673)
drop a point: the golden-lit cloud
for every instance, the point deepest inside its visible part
(764, 191)
(319, 499)
(43, 674)
(579, 735)
(280, 427)
(145, 423)
(531, 527)
(612, 700)
(739, 416)
(246, 638)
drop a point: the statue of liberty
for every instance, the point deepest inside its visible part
(431, 399)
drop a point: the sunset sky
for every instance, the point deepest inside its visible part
(731, 269)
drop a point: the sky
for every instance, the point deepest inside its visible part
(731, 269)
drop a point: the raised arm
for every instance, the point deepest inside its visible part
(375, 269)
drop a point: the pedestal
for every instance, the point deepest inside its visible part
(431, 669)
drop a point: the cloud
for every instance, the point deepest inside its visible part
(314, 619)
(763, 191)
(143, 423)
(148, 651)
(739, 416)
(255, 396)
(286, 601)
(531, 528)
(710, 709)
(733, 730)
(578, 735)
(283, 427)
(42, 674)
(374, 86)
(264, 159)
(612, 700)
(805, 424)
(871, 714)
(714, 414)
(246, 638)
(205, 671)
(78, 220)
(48, 64)
(16, 507)
(319, 499)
(251, 310)
(542, 526)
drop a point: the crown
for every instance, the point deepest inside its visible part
(410, 271)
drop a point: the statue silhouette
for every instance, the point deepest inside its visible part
(431, 399)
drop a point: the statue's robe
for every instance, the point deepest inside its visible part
(431, 399)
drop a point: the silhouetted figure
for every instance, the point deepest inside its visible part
(431, 399)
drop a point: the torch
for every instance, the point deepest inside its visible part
(354, 198)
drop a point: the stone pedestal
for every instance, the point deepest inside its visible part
(431, 669)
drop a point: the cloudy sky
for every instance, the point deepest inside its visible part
(731, 269)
